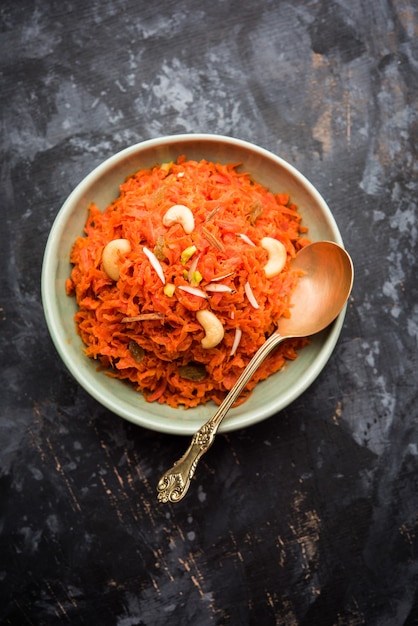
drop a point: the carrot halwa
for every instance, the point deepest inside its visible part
(181, 299)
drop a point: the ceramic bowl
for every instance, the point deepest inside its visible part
(102, 186)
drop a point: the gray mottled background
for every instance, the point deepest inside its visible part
(309, 518)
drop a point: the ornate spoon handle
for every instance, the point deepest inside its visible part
(175, 482)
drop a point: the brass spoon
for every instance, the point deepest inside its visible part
(319, 297)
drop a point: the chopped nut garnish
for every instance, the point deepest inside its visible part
(187, 254)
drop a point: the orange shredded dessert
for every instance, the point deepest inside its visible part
(178, 300)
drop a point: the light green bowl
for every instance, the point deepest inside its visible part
(102, 186)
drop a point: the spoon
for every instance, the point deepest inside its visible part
(319, 297)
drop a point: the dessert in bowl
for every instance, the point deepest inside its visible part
(101, 188)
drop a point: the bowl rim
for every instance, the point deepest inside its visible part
(50, 307)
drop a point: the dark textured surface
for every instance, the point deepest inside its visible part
(311, 517)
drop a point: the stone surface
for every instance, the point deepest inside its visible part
(309, 518)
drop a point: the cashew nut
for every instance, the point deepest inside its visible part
(277, 256)
(214, 331)
(111, 256)
(179, 214)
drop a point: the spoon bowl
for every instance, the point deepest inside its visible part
(321, 293)
(322, 290)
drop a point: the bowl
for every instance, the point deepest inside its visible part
(102, 186)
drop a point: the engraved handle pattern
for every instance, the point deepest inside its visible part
(175, 482)
(173, 485)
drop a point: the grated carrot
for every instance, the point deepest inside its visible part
(232, 214)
